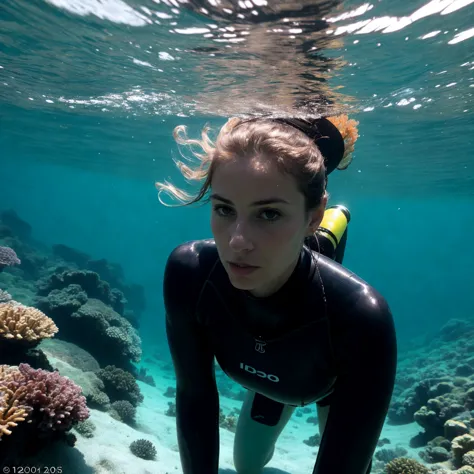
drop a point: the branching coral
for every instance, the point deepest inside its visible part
(56, 401)
(405, 466)
(11, 392)
(11, 412)
(25, 323)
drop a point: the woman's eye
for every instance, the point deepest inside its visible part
(222, 211)
(271, 214)
(266, 214)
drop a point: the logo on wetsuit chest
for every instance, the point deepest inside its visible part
(259, 373)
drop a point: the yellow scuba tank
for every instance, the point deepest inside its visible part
(332, 232)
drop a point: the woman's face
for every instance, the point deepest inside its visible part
(259, 222)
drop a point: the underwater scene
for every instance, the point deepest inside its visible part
(91, 93)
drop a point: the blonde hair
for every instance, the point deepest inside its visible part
(348, 129)
(293, 151)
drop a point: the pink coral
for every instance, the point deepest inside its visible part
(8, 257)
(56, 400)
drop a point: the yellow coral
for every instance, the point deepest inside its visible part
(11, 411)
(348, 129)
(465, 470)
(468, 459)
(25, 323)
(460, 446)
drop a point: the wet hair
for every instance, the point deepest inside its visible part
(293, 151)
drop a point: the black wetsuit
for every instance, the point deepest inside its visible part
(335, 346)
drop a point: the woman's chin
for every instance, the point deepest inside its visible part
(241, 283)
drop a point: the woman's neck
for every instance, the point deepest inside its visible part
(278, 283)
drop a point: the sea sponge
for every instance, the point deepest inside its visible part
(405, 466)
(348, 129)
(143, 448)
(25, 323)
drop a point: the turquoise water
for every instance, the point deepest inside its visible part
(90, 93)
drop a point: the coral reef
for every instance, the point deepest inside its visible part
(8, 257)
(439, 371)
(11, 412)
(170, 392)
(54, 283)
(90, 283)
(82, 302)
(125, 411)
(388, 454)
(57, 401)
(80, 370)
(110, 272)
(25, 255)
(465, 470)
(86, 428)
(36, 408)
(228, 422)
(22, 328)
(405, 466)
(120, 385)
(171, 411)
(70, 353)
(5, 297)
(40, 262)
(435, 388)
(145, 378)
(89, 322)
(144, 449)
(25, 323)
(461, 446)
(314, 440)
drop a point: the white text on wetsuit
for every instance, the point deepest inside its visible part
(259, 373)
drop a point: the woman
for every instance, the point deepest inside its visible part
(287, 323)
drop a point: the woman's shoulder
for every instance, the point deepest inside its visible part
(187, 268)
(349, 293)
(192, 259)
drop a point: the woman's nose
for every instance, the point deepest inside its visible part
(239, 239)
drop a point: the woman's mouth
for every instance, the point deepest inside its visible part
(242, 269)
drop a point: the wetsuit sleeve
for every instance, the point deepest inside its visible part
(366, 353)
(197, 403)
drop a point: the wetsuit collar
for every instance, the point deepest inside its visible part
(275, 315)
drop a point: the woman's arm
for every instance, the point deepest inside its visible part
(197, 402)
(366, 350)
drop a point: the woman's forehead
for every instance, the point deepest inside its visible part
(253, 180)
